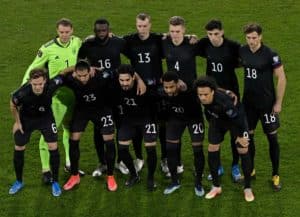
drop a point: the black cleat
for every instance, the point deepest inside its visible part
(151, 185)
(132, 181)
(47, 178)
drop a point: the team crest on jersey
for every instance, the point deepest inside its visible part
(41, 109)
(276, 59)
(39, 53)
(74, 51)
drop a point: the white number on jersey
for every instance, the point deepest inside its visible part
(105, 63)
(144, 57)
(130, 101)
(176, 66)
(150, 128)
(89, 98)
(217, 67)
(107, 121)
(251, 73)
(198, 128)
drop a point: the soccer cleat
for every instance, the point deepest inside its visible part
(276, 183)
(122, 167)
(220, 173)
(99, 170)
(180, 169)
(56, 191)
(138, 164)
(111, 183)
(132, 181)
(199, 191)
(235, 173)
(16, 187)
(68, 170)
(214, 191)
(151, 185)
(248, 194)
(172, 187)
(47, 178)
(73, 180)
(164, 165)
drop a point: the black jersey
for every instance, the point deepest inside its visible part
(134, 106)
(181, 59)
(222, 108)
(104, 55)
(258, 75)
(183, 107)
(32, 105)
(145, 56)
(221, 62)
(93, 95)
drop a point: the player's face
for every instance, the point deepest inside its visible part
(253, 40)
(143, 28)
(176, 33)
(170, 88)
(101, 31)
(205, 95)
(64, 33)
(215, 37)
(82, 75)
(126, 81)
(38, 85)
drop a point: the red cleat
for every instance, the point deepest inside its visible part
(73, 180)
(111, 183)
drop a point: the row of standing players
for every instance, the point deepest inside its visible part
(146, 50)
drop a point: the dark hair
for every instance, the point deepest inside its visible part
(252, 27)
(143, 16)
(206, 81)
(82, 65)
(64, 22)
(214, 24)
(125, 69)
(101, 21)
(39, 72)
(170, 76)
(177, 21)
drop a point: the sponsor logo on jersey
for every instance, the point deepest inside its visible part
(39, 53)
(276, 59)
(41, 109)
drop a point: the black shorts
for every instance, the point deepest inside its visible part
(46, 125)
(269, 121)
(102, 119)
(175, 129)
(129, 128)
(217, 129)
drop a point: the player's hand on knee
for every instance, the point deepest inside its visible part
(243, 141)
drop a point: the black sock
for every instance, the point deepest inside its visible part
(151, 161)
(214, 162)
(251, 150)
(235, 154)
(199, 162)
(125, 156)
(137, 145)
(110, 156)
(19, 164)
(246, 166)
(172, 159)
(179, 163)
(74, 156)
(54, 162)
(99, 145)
(162, 139)
(274, 152)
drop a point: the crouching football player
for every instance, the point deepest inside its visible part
(31, 108)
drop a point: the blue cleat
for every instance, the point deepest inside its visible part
(56, 190)
(199, 191)
(172, 187)
(16, 187)
(235, 173)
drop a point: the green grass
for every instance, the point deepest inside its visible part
(25, 25)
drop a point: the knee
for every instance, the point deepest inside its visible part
(243, 150)
(213, 147)
(19, 148)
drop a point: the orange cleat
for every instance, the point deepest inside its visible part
(73, 180)
(249, 196)
(214, 191)
(111, 183)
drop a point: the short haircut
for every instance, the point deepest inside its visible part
(177, 21)
(101, 21)
(214, 24)
(252, 27)
(82, 65)
(170, 76)
(126, 69)
(143, 16)
(206, 81)
(37, 73)
(64, 22)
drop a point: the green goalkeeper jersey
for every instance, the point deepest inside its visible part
(55, 56)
